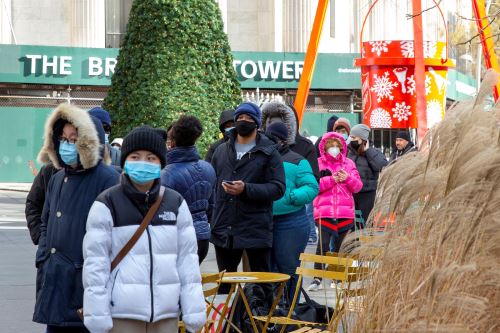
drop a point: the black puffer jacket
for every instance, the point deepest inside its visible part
(36, 199)
(305, 148)
(246, 221)
(369, 167)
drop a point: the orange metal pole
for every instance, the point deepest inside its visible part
(418, 37)
(310, 60)
(490, 57)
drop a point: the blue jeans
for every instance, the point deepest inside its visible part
(310, 217)
(290, 236)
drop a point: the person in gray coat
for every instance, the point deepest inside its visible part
(369, 162)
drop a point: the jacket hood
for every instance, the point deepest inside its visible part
(283, 111)
(225, 116)
(88, 144)
(326, 137)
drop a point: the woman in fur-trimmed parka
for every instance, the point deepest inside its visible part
(74, 143)
(160, 274)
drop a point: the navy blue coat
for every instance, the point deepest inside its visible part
(59, 258)
(195, 180)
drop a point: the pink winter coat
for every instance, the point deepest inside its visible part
(335, 200)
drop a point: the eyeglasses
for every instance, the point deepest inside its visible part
(62, 140)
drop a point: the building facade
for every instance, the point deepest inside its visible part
(271, 34)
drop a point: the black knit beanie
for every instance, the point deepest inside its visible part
(144, 138)
(405, 135)
(278, 129)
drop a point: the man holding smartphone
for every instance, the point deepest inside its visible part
(250, 176)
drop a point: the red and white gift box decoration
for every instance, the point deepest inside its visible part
(388, 85)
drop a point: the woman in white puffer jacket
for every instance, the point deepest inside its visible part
(142, 294)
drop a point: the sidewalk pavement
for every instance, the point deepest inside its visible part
(18, 187)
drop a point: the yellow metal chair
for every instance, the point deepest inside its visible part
(339, 274)
(355, 290)
(211, 284)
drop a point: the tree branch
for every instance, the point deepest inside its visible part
(410, 16)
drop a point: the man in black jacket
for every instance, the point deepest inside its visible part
(250, 176)
(404, 145)
(226, 123)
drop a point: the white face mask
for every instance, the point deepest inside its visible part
(333, 151)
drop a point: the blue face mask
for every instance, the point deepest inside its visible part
(106, 138)
(68, 153)
(228, 129)
(142, 172)
(345, 136)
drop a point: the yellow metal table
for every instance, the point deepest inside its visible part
(236, 279)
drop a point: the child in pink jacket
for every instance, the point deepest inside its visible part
(334, 206)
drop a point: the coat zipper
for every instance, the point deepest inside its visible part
(150, 266)
(151, 275)
(113, 287)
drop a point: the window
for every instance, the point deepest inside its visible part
(116, 21)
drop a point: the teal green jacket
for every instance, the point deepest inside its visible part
(301, 185)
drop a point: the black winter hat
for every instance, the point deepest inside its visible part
(225, 116)
(144, 138)
(278, 129)
(331, 123)
(405, 135)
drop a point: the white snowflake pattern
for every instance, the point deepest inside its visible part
(407, 49)
(383, 86)
(380, 118)
(428, 83)
(401, 111)
(434, 112)
(410, 85)
(430, 49)
(380, 46)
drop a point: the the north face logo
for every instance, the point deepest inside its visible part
(167, 216)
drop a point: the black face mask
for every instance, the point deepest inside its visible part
(245, 128)
(354, 144)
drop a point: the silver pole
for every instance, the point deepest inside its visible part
(10, 22)
(480, 52)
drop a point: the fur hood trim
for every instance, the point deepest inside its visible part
(88, 144)
(279, 109)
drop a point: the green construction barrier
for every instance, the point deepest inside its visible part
(21, 138)
(314, 123)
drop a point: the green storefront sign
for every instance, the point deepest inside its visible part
(21, 135)
(265, 70)
(94, 67)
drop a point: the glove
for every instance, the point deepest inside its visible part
(325, 173)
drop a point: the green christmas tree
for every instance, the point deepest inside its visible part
(175, 59)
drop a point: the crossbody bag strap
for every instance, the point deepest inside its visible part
(138, 233)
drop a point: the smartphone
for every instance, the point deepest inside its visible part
(228, 182)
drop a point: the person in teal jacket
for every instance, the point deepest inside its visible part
(290, 223)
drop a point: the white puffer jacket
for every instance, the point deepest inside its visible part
(158, 273)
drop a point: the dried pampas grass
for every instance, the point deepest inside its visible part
(440, 268)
